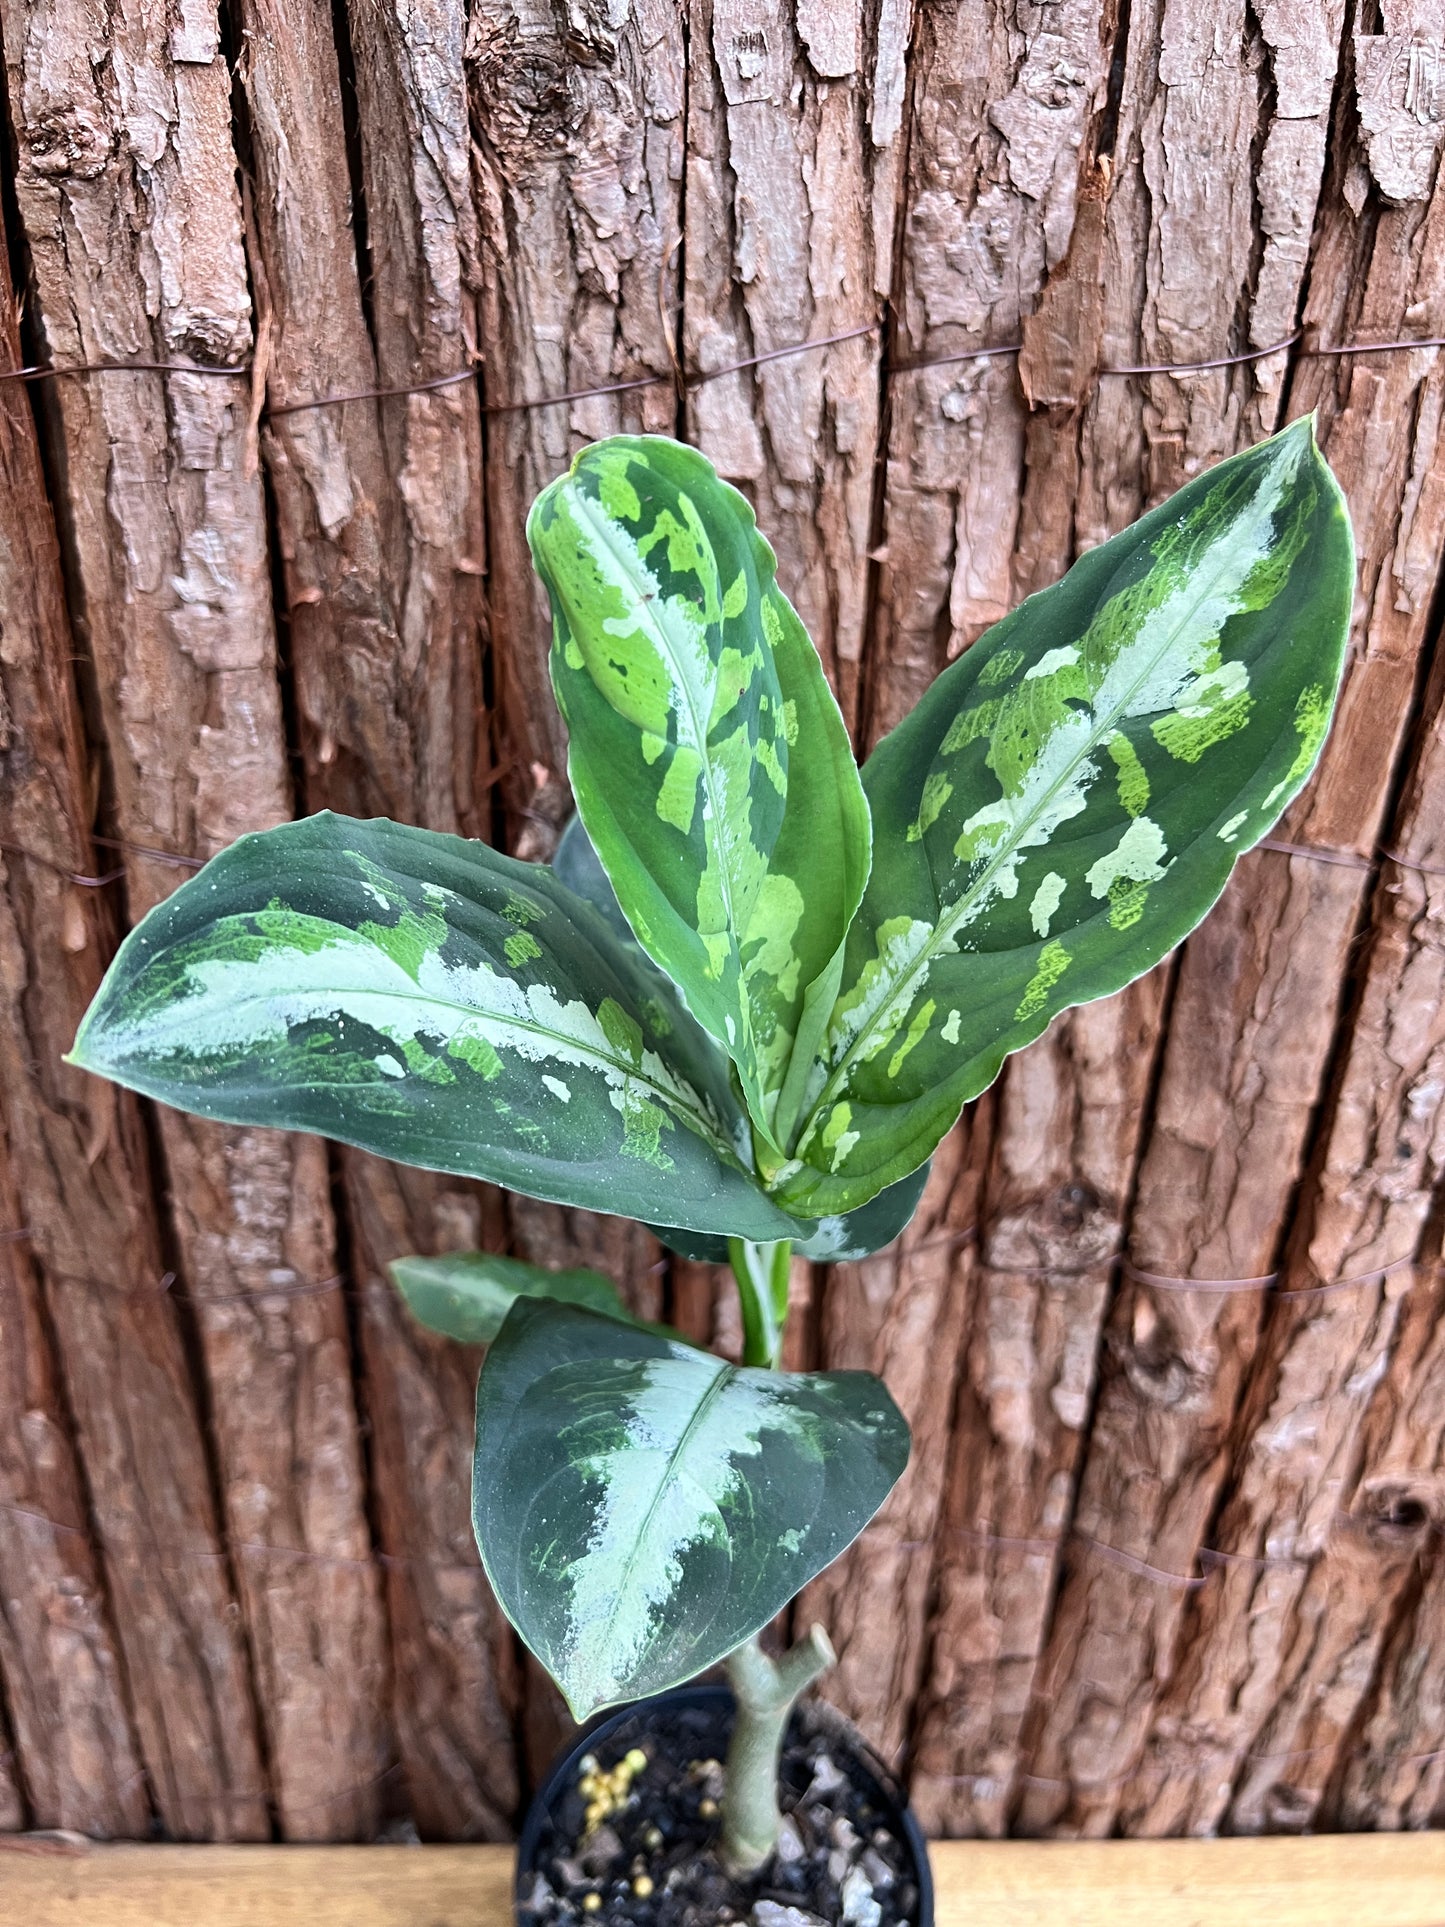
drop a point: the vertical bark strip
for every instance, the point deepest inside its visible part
(126, 192)
(1314, 1534)
(794, 164)
(71, 1727)
(577, 126)
(457, 1686)
(383, 533)
(134, 225)
(1391, 1772)
(1053, 1210)
(1001, 107)
(12, 1803)
(1253, 1020)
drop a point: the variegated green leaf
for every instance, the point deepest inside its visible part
(857, 1234)
(466, 1294)
(707, 755)
(427, 999)
(1068, 799)
(642, 1508)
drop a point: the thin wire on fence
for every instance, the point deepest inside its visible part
(697, 378)
(1211, 1558)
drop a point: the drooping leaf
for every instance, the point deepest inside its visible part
(857, 1234)
(428, 999)
(642, 1508)
(1068, 799)
(467, 1294)
(707, 755)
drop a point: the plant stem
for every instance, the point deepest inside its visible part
(765, 1690)
(762, 1275)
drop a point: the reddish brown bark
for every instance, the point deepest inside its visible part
(1337, 1443)
(1053, 1207)
(794, 164)
(577, 200)
(380, 526)
(577, 129)
(81, 1177)
(1250, 1035)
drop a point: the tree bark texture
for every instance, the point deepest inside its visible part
(917, 277)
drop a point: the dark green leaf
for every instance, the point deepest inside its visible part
(642, 1508)
(430, 1000)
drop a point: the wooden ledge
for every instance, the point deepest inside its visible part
(1345, 1880)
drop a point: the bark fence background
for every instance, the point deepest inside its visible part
(1171, 1553)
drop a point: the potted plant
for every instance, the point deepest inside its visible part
(743, 1005)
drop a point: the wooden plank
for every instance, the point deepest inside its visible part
(794, 162)
(1253, 1025)
(72, 1731)
(1330, 1881)
(134, 241)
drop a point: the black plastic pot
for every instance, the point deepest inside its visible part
(864, 1768)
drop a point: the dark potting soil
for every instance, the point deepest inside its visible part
(651, 1860)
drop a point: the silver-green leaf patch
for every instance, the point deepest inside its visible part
(430, 1000)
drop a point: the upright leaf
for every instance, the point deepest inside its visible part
(642, 1508)
(707, 755)
(427, 999)
(1068, 799)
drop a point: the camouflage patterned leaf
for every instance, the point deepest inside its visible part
(467, 1294)
(427, 999)
(642, 1508)
(1068, 799)
(707, 755)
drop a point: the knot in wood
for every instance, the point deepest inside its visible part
(66, 142)
(1401, 1515)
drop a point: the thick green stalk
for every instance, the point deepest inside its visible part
(762, 1275)
(765, 1690)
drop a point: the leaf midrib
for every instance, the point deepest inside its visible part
(945, 928)
(712, 817)
(589, 1052)
(724, 1376)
